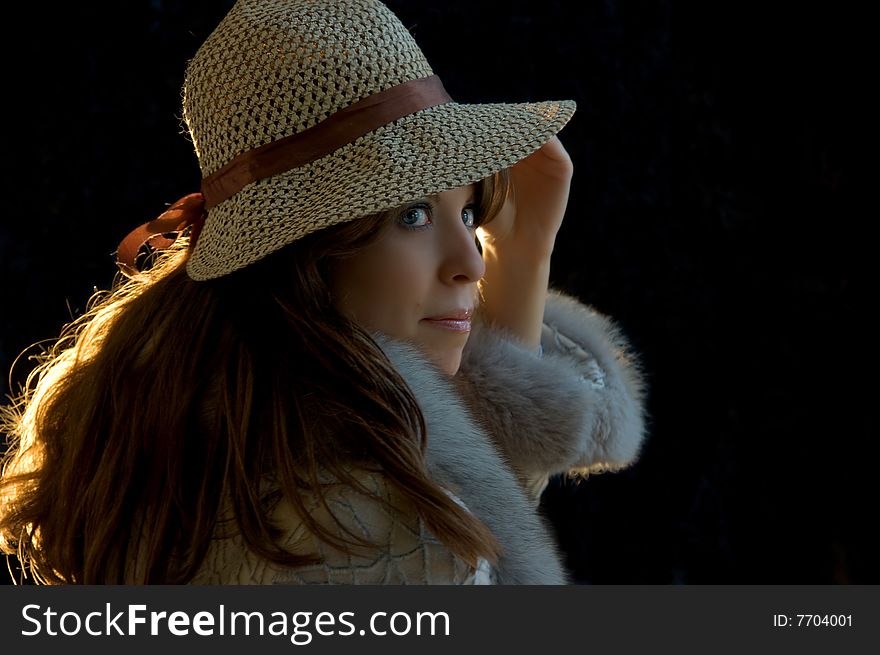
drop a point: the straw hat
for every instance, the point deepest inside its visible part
(309, 113)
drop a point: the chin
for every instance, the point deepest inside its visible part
(444, 349)
(446, 361)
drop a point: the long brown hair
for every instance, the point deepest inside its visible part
(169, 398)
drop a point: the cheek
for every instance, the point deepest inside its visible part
(382, 287)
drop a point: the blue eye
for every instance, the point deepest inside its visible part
(415, 216)
(469, 216)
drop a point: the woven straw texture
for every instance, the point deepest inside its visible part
(274, 68)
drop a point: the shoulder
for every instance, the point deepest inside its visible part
(405, 552)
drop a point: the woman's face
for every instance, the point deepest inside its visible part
(417, 281)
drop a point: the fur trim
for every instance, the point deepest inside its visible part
(462, 458)
(579, 406)
(620, 423)
(536, 409)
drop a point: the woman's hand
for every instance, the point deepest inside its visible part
(517, 243)
(533, 212)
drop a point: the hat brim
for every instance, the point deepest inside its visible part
(430, 151)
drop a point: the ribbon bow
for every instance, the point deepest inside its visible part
(189, 211)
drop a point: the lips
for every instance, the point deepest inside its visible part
(455, 315)
(457, 320)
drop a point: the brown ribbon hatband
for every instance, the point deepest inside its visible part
(189, 211)
(320, 140)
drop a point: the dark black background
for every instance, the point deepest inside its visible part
(718, 212)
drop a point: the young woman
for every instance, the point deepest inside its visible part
(326, 378)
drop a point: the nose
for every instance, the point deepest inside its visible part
(461, 262)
